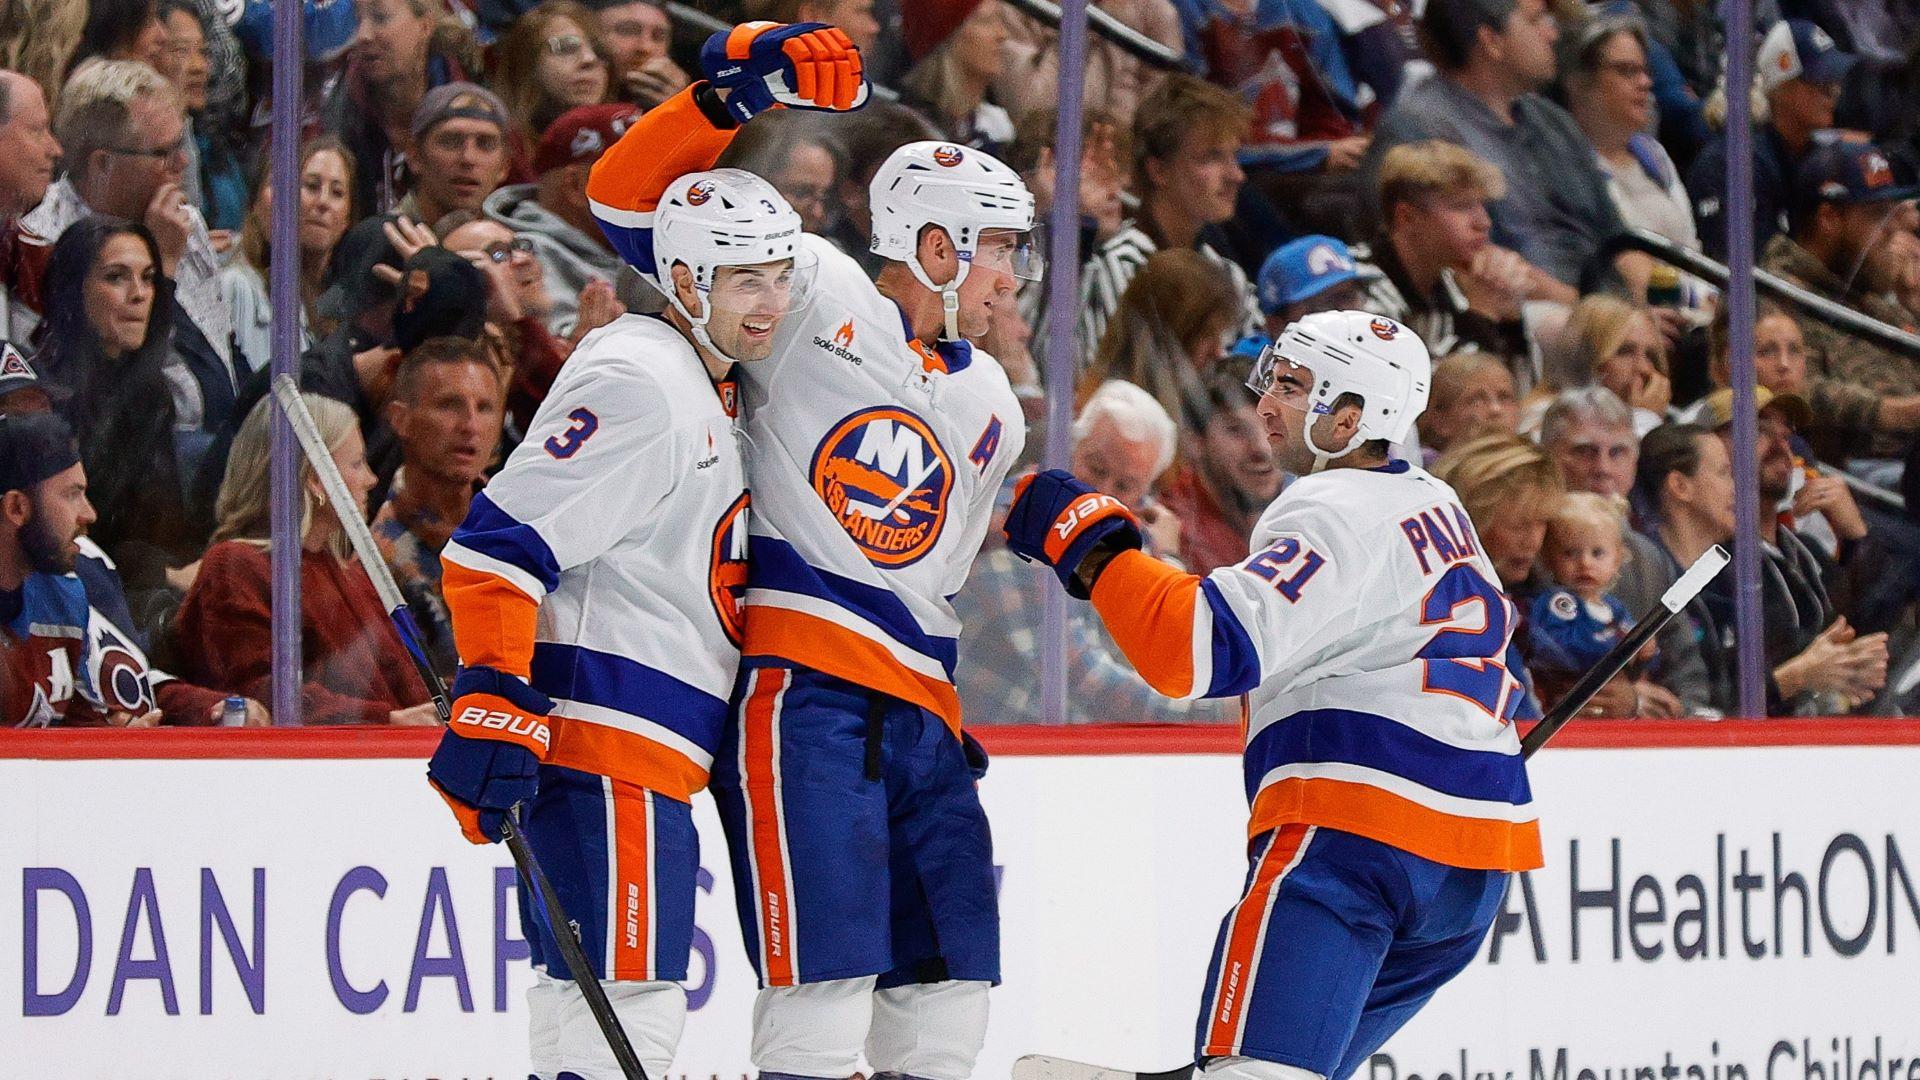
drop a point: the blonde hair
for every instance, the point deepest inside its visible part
(96, 108)
(1595, 331)
(1587, 508)
(1491, 470)
(242, 510)
(1182, 103)
(38, 36)
(1453, 369)
(1412, 172)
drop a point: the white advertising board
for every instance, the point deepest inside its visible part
(1706, 914)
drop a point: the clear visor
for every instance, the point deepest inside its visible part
(770, 290)
(1007, 252)
(1280, 379)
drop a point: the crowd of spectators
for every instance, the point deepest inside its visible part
(1463, 166)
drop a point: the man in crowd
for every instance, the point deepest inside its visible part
(124, 136)
(854, 17)
(1493, 57)
(1799, 69)
(553, 214)
(1228, 479)
(1818, 664)
(517, 306)
(1435, 266)
(1588, 431)
(459, 153)
(1185, 138)
(1845, 202)
(28, 152)
(1125, 438)
(637, 33)
(445, 412)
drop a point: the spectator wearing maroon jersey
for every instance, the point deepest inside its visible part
(355, 670)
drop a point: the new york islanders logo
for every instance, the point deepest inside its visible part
(886, 478)
(699, 193)
(1384, 329)
(727, 570)
(948, 156)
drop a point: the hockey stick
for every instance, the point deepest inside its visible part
(1672, 602)
(287, 393)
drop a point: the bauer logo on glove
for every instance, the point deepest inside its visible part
(513, 723)
(1058, 520)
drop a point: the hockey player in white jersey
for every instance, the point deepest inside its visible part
(596, 589)
(1369, 633)
(880, 437)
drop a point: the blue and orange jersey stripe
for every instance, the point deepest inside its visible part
(667, 142)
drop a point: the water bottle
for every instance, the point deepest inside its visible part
(1663, 287)
(233, 712)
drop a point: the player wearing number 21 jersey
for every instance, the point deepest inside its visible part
(1368, 632)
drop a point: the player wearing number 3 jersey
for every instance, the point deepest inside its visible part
(1369, 634)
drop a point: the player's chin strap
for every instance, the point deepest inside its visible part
(698, 326)
(1321, 457)
(949, 293)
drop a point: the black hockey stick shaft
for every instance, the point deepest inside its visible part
(287, 392)
(1617, 658)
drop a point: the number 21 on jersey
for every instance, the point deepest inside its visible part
(1464, 656)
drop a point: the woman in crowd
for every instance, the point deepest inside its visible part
(953, 68)
(403, 49)
(1169, 330)
(1610, 94)
(121, 30)
(1846, 414)
(551, 60)
(327, 177)
(356, 671)
(104, 355)
(214, 181)
(1618, 345)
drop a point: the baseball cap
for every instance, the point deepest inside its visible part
(1304, 268)
(441, 295)
(1846, 173)
(1716, 409)
(458, 99)
(1797, 49)
(582, 134)
(34, 446)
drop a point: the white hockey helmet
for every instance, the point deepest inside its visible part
(726, 217)
(1353, 352)
(963, 191)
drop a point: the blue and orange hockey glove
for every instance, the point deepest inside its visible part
(1059, 521)
(768, 65)
(489, 757)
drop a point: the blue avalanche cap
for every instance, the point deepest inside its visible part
(1304, 268)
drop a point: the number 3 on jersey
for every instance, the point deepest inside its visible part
(1463, 658)
(568, 443)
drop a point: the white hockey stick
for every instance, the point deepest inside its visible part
(1672, 602)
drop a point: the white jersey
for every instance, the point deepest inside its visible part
(623, 516)
(876, 461)
(1370, 635)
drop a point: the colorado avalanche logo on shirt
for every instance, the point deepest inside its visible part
(948, 156)
(886, 478)
(118, 672)
(727, 571)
